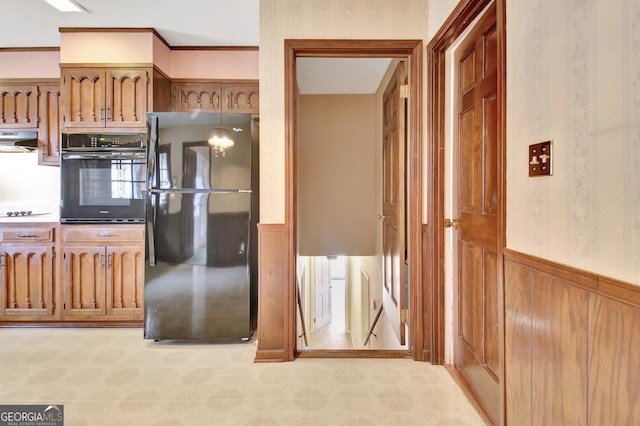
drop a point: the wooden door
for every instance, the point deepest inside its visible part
(195, 97)
(27, 276)
(241, 98)
(322, 285)
(476, 332)
(127, 97)
(49, 128)
(83, 92)
(393, 199)
(18, 106)
(84, 278)
(125, 280)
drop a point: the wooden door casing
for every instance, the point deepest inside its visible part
(393, 202)
(476, 356)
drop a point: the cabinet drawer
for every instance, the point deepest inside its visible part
(26, 235)
(106, 234)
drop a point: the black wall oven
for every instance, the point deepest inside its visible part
(103, 178)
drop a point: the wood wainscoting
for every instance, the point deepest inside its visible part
(572, 345)
(272, 244)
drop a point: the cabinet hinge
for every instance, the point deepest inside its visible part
(53, 306)
(404, 315)
(404, 91)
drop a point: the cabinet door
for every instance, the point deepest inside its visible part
(49, 128)
(241, 98)
(83, 94)
(125, 280)
(18, 106)
(84, 280)
(127, 97)
(194, 97)
(27, 276)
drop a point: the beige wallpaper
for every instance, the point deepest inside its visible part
(573, 78)
(343, 19)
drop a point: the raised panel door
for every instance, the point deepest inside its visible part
(127, 97)
(28, 277)
(84, 280)
(49, 128)
(125, 280)
(241, 99)
(83, 93)
(18, 106)
(195, 97)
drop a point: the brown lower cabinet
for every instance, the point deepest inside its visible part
(102, 271)
(71, 273)
(28, 272)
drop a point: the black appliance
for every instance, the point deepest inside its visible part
(201, 233)
(102, 178)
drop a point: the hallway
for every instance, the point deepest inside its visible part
(109, 376)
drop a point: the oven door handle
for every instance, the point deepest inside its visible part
(111, 155)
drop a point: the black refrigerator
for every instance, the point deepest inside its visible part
(201, 233)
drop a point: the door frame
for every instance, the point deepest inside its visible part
(455, 25)
(412, 51)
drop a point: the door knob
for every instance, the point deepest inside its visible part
(383, 217)
(455, 223)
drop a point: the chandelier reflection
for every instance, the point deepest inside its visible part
(220, 141)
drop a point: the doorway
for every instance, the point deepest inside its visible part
(411, 52)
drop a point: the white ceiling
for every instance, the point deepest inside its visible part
(34, 23)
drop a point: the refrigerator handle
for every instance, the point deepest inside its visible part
(151, 225)
(152, 153)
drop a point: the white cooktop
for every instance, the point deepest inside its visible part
(39, 213)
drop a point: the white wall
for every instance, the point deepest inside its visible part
(24, 182)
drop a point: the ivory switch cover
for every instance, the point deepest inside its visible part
(540, 159)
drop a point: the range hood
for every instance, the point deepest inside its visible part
(18, 141)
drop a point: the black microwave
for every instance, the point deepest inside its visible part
(103, 178)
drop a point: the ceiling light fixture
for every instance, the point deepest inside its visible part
(66, 5)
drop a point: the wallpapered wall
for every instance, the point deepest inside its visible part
(572, 77)
(286, 19)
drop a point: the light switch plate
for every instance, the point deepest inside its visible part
(540, 159)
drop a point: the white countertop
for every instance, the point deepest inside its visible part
(51, 213)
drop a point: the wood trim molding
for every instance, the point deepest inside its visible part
(453, 27)
(29, 49)
(107, 65)
(411, 50)
(352, 353)
(271, 287)
(609, 287)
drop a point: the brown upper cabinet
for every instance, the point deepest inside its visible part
(18, 105)
(49, 127)
(105, 97)
(111, 97)
(34, 105)
(215, 96)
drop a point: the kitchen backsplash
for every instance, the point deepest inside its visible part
(23, 181)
